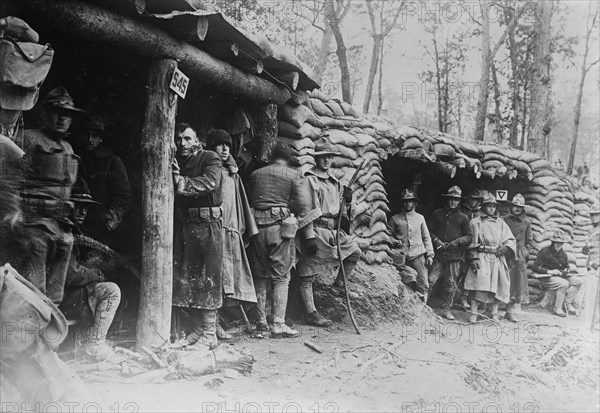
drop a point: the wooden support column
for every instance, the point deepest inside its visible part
(154, 318)
(265, 118)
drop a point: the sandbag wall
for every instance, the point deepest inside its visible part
(356, 139)
(584, 202)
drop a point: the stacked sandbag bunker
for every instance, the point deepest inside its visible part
(584, 202)
(357, 140)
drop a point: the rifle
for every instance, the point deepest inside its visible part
(339, 248)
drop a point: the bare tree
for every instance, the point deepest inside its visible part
(380, 29)
(331, 11)
(539, 120)
(590, 25)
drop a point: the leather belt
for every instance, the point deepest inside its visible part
(488, 249)
(47, 208)
(204, 213)
(328, 223)
(271, 216)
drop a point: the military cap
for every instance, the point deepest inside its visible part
(81, 193)
(323, 148)
(453, 192)
(218, 137)
(489, 199)
(59, 98)
(518, 201)
(559, 236)
(408, 195)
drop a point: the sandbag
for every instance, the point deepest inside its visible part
(296, 115)
(303, 160)
(367, 157)
(370, 131)
(320, 108)
(487, 164)
(345, 151)
(363, 139)
(335, 108)
(342, 138)
(288, 130)
(314, 120)
(370, 147)
(348, 109)
(384, 143)
(409, 132)
(412, 143)
(378, 215)
(444, 151)
(340, 162)
(539, 165)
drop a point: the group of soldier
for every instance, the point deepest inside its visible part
(469, 247)
(287, 220)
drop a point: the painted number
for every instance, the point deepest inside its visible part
(179, 83)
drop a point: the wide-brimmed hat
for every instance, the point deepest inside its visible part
(323, 148)
(475, 194)
(80, 193)
(453, 192)
(59, 98)
(408, 195)
(559, 236)
(489, 199)
(518, 201)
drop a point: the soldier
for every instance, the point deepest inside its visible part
(277, 193)
(552, 260)
(451, 234)
(471, 206)
(107, 179)
(488, 279)
(410, 229)
(50, 172)
(238, 227)
(198, 282)
(88, 296)
(326, 190)
(592, 245)
(521, 230)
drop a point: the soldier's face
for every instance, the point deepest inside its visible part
(489, 209)
(473, 203)
(324, 162)
(595, 218)
(58, 120)
(453, 203)
(91, 140)
(516, 210)
(223, 151)
(80, 213)
(557, 246)
(186, 142)
(408, 205)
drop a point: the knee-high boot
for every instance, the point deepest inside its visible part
(260, 285)
(280, 298)
(474, 306)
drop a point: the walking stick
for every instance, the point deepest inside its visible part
(339, 248)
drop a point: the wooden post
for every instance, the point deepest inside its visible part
(154, 318)
(265, 118)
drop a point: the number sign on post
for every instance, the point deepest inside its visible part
(179, 83)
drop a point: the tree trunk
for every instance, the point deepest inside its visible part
(380, 79)
(438, 80)
(372, 71)
(156, 287)
(323, 55)
(513, 139)
(97, 24)
(483, 81)
(497, 114)
(541, 85)
(331, 15)
(265, 118)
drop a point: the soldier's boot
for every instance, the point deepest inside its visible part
(280, 298)
(464, 301)
(494, 308)
(260, 285)
(511, 311)
(312, 315)
(447, 313)
(473, 316)
(222, 334)
(109, 297)
(207, 330)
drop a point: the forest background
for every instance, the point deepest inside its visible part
(523, 73)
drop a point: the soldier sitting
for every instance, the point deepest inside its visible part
(88, 296)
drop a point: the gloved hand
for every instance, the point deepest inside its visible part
(175, 167)
(429, 261)
(501, 250)
(347, 194)
(233, 169)
(454, 244)
(311, 246)
(475, 265)
(443, 247)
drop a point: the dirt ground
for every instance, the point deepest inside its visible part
(542, 364)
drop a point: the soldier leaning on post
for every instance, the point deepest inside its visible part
(198, 245)
(451, 234)
(277, 193)
(410, 229)
(50, 168)
(521, 229)
(326, 191)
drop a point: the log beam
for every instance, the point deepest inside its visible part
(156, 287)
(98, 24)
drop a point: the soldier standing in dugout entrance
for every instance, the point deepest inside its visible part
(326, 191)
(50, 167)
(451, 234)
(277, 192)
(521, 229)
(198, 239)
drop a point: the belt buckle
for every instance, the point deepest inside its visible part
(204, 213)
